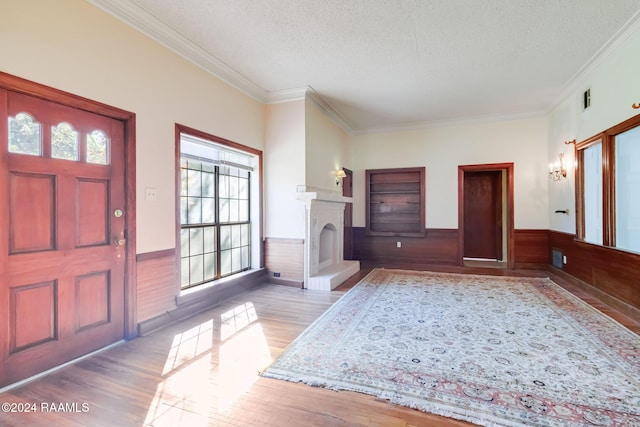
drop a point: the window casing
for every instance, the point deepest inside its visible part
(215, 211)
(607, 187)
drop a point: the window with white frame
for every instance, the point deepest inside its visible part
(215, 210)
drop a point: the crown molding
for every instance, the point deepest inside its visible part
(615, 43)
(330, 111)
(286, 95)
(139, 19)
(430, 124)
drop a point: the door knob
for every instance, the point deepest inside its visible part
(119, 242)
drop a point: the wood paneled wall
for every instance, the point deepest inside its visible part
(438, 246)
(611, 272)
(157, 283)
(285, 256)
(531, 249)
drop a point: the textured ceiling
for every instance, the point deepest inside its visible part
(382, 65)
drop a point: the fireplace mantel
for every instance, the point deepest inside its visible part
(306, 194)
(324, 238)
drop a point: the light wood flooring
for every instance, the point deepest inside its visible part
(203, 371)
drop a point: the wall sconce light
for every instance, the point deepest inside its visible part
(557, 170)
(339, 176)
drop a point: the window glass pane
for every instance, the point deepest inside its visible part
(224, 210)
(64, 142)
(194, 183)
(223, 186)
(243, 208)
(244, 188)
(627, 181)
(25, 136)
(234, 214)
(236, 260)
(234, 187)
(225, 262)
(245, 257)
(98, 148)
(593, 194)
(208, 187)
(196, 241)
(225, 237)
(209, 266)
(208, 211)
(183, 210)
(196, 270)
(183, 181)
(184, 242)
(209, 239)
(235, 236)
(184, 272)
(194, 210)
(245, 234)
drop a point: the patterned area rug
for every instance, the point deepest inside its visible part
(503, 351)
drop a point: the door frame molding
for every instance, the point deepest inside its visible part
(508, 167)
(349, 173)
(27, 87)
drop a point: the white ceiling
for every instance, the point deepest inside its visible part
(391, 64)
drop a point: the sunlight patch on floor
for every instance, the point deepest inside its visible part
(188, 345)
(206, 370)
(241, 359)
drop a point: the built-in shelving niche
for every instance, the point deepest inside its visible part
(395, 202)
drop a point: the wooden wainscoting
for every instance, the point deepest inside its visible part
(286, 257)
(531, 249)
(157, 285)
(438, 246)
(610, 274)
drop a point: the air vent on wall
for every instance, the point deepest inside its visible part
(556, 258)
(586, 99)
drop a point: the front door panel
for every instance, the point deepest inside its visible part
(62, 177)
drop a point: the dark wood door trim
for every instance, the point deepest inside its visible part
(347, 191)
(20, 85)
(508, 167)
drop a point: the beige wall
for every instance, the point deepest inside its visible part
(76, 47)
(284, 160)
(615, 86)
(442, 149)
(327, 148)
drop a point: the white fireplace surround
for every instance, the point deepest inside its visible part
(324, 265)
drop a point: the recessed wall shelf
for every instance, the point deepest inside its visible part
(395, 202)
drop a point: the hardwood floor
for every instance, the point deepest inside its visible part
(204, 371)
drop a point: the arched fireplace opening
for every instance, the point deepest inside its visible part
(327, 249)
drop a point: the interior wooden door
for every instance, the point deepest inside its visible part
(483, 215)
(62, 250)
(347, 191)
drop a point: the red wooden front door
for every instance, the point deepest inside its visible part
(483, 214)
(62, 249)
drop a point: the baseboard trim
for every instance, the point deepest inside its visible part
(613, 302)
(530, 266)
(286, 282)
